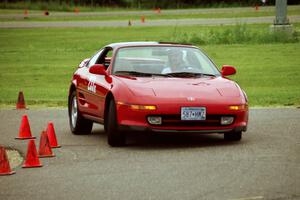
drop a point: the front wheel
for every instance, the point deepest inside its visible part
(115, 137)
(233, 136)
(78, 124)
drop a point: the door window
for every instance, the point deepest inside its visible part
(94, 59)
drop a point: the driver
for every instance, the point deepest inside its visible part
(175, 61)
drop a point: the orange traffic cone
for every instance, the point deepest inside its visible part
(76, 10)
(21, 101)
(158, 10)
(32, 159)
(4, 163)
(25, 13)
(45, 148)
(143, 19)
(52, 136)
(24, 132)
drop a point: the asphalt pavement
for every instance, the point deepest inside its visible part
(264, 165)
(162, 22)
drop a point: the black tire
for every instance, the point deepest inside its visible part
(115, 138)
(233, 136)
(78, 124)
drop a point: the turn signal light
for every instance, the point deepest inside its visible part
(142, 107)
(238, 107)
(138, 107)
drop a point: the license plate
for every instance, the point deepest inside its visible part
(193, 113)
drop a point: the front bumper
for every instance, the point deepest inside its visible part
(136, 120)
(150, 129)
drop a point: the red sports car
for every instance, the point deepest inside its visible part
(154, 86)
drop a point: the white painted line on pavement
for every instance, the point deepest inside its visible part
(249, 198)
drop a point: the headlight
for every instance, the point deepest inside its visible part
(227, 120)
(154, 120)
(245, 95)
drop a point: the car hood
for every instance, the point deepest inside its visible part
(166, 87)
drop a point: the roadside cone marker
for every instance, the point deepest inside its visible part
(4, 163)
(143, 19)
(76, 10)
(32, 159)
(52, 136)
(25, 13)
(45, 148)
(158, 10)
(21, 101)
(24, 132)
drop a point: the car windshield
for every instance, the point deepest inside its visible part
(163, 61)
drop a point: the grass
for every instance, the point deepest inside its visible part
(269, 73)
(238, 34)
(189, 14)
(70, 7)
(50, 5)
(41, 62)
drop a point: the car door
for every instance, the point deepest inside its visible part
(97, 86)
(85, 96)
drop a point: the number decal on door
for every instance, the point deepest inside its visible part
(91, 85)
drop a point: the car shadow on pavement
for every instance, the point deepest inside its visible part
(167, 141)
(150, 140)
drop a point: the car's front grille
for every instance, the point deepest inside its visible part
(175, 120)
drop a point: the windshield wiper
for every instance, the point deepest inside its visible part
(208, 74)
(165, 75)
(135, 73)
(188, 74)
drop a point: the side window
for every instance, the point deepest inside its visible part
(94, 59)
(109, 53)
(105, 57)
(108, 58)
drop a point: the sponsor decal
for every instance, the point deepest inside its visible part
(91, 85)
(191, 98)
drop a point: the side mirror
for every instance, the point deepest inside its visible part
(98, 69)
(228, 70)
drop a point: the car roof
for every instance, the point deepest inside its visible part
(127, 44)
